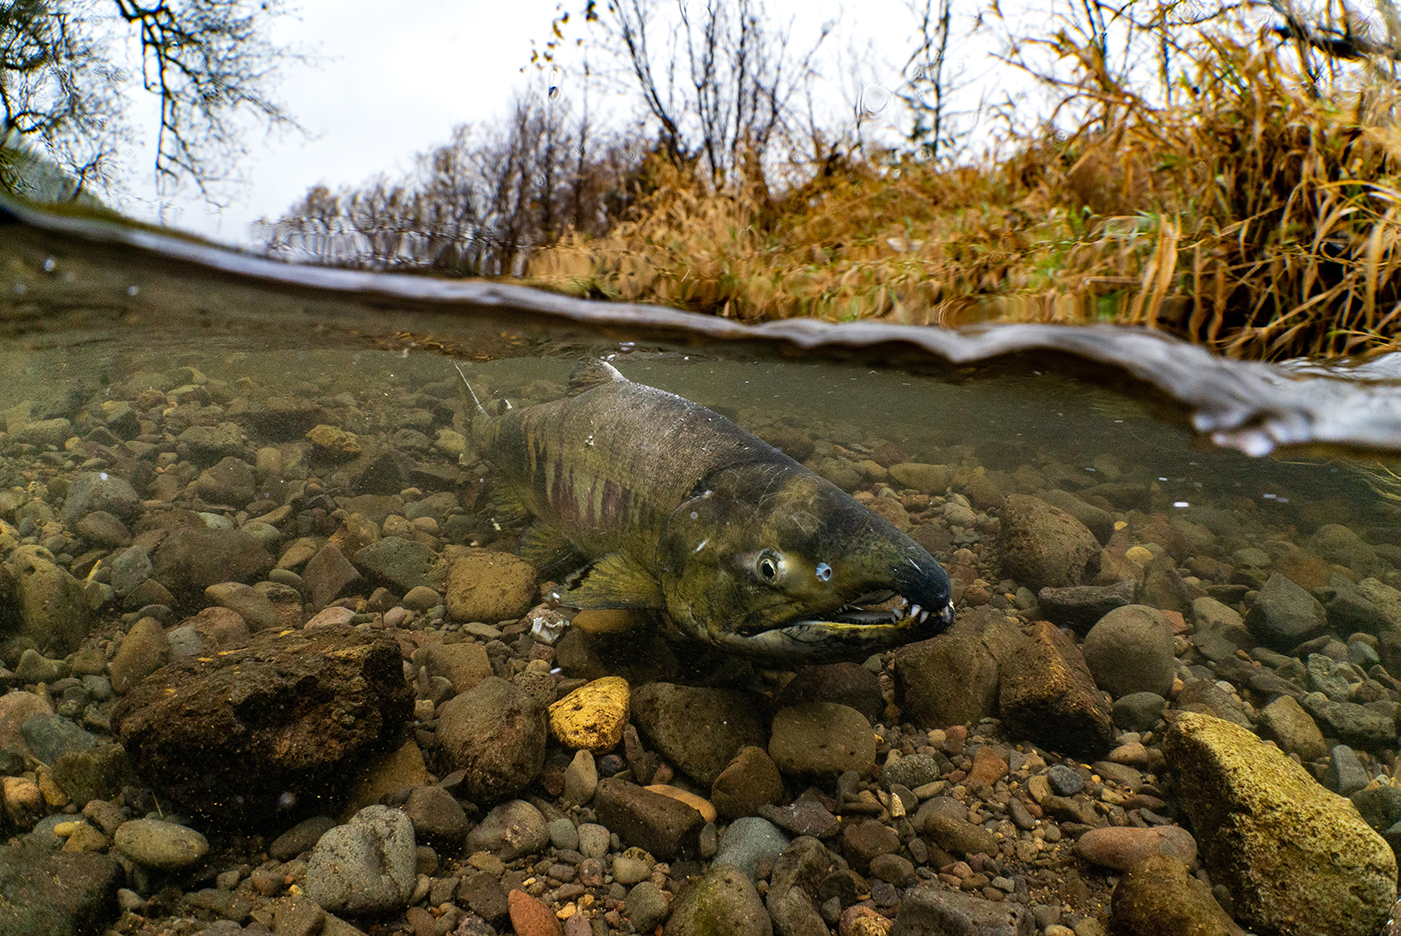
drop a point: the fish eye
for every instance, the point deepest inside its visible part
(767, 566)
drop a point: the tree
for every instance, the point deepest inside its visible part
(725, 82)
(63, 84)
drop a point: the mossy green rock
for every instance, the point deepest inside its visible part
(1298, 860)
(722, 901)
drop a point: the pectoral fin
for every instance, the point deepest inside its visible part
(615, 581)
(546, 548)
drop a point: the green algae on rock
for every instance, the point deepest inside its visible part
(1298, 860)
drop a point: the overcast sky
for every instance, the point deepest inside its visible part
(390, 86)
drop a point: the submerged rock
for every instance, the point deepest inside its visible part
(1048, 695)
(1296, 858)
(496, 733)
(245, 735)
(1158, 897)
(1043, 545)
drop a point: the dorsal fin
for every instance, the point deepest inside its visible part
(590, 374)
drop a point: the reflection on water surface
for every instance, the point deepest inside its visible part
(261, 612)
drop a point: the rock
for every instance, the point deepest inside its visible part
(34, 668)
(249, 603)
(1284, 615)
(1338, 544)
(48, 892)
(1122, 847)
(48, 600)
(1048, 695)
(204, 444)
(850, 684)
(950, 679)
(822, 739)
(926, 910)
(405, 564)
(483, 894)
(1078, 607)
(49, 737)
(130, 568)
(1285, 722)
(1043, 545)
(510, 831)
(945, 820)
(593, 715)
(1163, 586)
(97, 774)
(190, 560)
(530, 917)
(1353, 724)
(1345, 775)
(749, 781)
(1139, 711)
(438, 819)
(931, 479)
(665, 827)
(332, 443)
(699, 730)
(1245, 798)
(1158, 897)
(648, 907)
(803, 817)
(302, 837)
(230, 736)
(365, 867)
(15, 709)
(462, 664)
(580, 778)
(864, 839)
(92, 491)
(485, 585)
(161, 845)
(328, 575)
(1211, 616)
(229, 483)
(1130, 650)
(496, 733)
(721, 901)
(103, 529)
(144, 650)
(747, 843)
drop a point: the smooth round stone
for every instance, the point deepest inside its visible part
(748, 842)
(1064, 780)
(563, 834)
(593, 840)
(592, 716)
(628, 870)
(156, 843)
(1122, 847)
(1139, 711)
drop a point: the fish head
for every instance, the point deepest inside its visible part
(772, 561)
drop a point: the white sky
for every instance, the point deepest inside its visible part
(391, 85)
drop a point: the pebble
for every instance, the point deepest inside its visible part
(1123, 847)
(593, 715)
(165, 846)
(365, 866)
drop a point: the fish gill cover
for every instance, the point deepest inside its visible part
(1254, 407)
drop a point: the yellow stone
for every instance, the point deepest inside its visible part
(1139, 554)
(592, 716)
(698, 803)
(65, 829)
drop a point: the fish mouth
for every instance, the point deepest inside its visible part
(867, 625)
(884, 611)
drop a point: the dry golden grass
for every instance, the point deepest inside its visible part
(1258, 216)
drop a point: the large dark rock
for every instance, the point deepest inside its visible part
(190, 560)
(1048, 696)
(496, 733)
(251, 734)
(1043, 545)
(930, 911)
(666, 827)
(48, 893)
(950, 679)
(699, 730)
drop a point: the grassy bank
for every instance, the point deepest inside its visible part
(1257, 213)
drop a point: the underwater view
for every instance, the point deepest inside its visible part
(328, 610)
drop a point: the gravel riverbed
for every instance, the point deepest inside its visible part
(270, 666)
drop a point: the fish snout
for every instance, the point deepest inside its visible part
(925, 586)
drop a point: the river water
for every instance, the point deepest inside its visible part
(199, 379)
